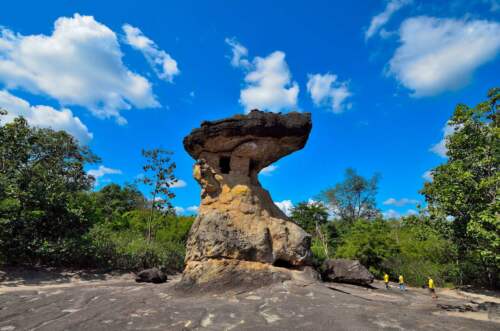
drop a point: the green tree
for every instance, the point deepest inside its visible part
(159, 176)
(43, 205)
(370, 242)
(467, 188)
(309, 215)
(313, 218)
(353, 198)
(423, 251)
(114, 200)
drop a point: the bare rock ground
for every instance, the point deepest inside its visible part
(86, 301)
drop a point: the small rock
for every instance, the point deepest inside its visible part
(153, 275)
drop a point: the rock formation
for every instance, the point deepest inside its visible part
(240, 237)
(346, 271)
(153, 275)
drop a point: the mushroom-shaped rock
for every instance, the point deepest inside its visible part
(239, 229)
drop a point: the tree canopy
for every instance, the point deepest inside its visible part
(354, 197)
(466, 187)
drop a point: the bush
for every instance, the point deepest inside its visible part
(370, 242)
(129, 249)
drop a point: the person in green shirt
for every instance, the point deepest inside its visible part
(402, 283)
(432, 289)
(386, 281)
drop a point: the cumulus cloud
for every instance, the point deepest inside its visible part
(80, 63)
(179, 184)
(179, 210)
(44, 116)
(101, 172)
(267, 171)
(440, 148)
(438, 55)
(428, 176)
(187, 210)
(192, 209)
(400, 202)
(391, 213)
(286, 206)
(160, 61)
(378, 21)
(411, 212)
(268, 80)
(326, 90)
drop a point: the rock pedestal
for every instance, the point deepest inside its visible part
(240, 237)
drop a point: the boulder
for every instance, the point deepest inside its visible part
(153, 275)
(239, 229)
(346, 271)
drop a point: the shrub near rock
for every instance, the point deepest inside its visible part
(346, 271)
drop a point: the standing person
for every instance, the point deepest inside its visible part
(386, 280)
(432, 289)
(402, 283)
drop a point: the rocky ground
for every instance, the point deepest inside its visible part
(86, 301)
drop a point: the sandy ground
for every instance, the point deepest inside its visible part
(41, 300)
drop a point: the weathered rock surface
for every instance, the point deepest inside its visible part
(152, 275)
(239, 231)
(119, 303)
(346, 271)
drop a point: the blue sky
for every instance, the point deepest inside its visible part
(381, 78)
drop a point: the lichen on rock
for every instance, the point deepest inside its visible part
(239, 229)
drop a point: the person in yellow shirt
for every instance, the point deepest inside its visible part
(402, 283)
(386, 280)
(432, 289)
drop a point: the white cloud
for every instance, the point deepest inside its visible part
(411, 212)
(381, 19)
(269, 84)
(80, 63)
(182, 210)
(193, 209)
(286, 206)
(400, 202)
(179, 184)
(267, 171)
(428, 176)
(162, 63)
(391, 213)
(438, 55)
(101, 172)
(326, 90)
(179, 210)
(440, 148)
(44, 116)
(240, 53)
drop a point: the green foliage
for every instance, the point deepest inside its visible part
(309, 215)
(43, 204)
(370, 242)
(129, 248)
(114, 200)
(467, 188)
(49, 216)
(423, 252)
(159, 176)
(354, 198)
